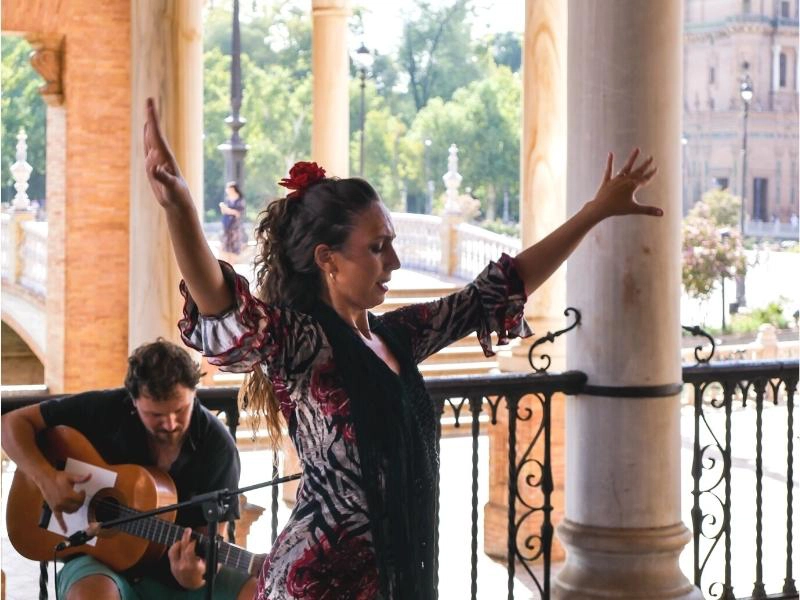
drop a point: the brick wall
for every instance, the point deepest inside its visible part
(96, 179)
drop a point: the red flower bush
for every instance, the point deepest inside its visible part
(302, 175)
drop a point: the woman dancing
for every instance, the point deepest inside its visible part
(345, 382)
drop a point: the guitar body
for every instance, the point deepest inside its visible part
(136, 487)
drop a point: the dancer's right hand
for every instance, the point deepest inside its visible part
(165, 177)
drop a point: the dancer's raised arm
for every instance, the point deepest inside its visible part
(614, 197)
(199, 268)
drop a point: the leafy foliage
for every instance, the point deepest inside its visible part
(440, 84)
(720, 207)
(710, 253)
(771, 313)
(22, 107)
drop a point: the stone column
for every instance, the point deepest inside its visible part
(48, 60)
(330, 133)
(543, 159)
(776, 67)
(622, 529)
(167, 64)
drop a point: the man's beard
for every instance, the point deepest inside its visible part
(168, 437)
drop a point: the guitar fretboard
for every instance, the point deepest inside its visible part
(164, 532)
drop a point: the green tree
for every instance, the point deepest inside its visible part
(482, 119)
(436, 52)
(720, 207)
(22, 107)
(276, 51)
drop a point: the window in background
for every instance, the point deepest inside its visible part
(760, 198)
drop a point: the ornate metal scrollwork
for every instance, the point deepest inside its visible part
(550, 337)
(697, 331)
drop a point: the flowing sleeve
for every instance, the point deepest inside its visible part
(250, 332)
(492, 303)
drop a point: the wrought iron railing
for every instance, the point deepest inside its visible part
(757, 397)
(517, 407)
(743, 412)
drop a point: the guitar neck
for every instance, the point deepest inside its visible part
(164, 532)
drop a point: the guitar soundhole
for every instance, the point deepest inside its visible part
(106, 506)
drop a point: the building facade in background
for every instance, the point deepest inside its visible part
(725, 40)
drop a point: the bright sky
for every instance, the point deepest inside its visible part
(383, 22)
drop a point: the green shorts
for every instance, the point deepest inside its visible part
(227, 583)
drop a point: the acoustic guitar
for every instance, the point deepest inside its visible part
(131, 546)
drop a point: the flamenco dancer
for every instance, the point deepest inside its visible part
(344, 381)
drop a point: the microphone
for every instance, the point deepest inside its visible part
(79, 537)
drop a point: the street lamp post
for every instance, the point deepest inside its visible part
(234, 150)
(746, 92)
(363, 59)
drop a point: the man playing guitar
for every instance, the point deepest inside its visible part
(154, 421)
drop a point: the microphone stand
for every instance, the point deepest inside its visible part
(214, 504)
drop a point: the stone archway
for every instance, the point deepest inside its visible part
(19, 364)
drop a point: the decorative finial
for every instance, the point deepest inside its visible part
(452, 179)
(21, 172)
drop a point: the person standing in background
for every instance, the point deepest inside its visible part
(233, 236)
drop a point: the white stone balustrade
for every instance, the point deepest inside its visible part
(418, 241)
(8, 250)
(772, 229)
(420, 245)
(33, 257)
(24, 251)
(476, 246)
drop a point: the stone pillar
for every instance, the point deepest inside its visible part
(48, 60)
(167, 64)
(543, 161)
(776, 68)
(82, 49)
(330, 133)
(622, 529)
(543, 157)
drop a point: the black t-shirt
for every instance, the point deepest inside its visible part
(208, 459)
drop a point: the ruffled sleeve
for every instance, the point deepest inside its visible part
(493, 303)
(249, 333)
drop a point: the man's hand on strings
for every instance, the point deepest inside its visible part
(188, 569)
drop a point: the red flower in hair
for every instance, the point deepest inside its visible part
(302, 175)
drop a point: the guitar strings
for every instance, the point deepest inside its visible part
(235, 556)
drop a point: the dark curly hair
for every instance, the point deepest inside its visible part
(156, 368)
(286, 271)
(290, 229)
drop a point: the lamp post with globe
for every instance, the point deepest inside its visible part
(363, 60)
(746, 93)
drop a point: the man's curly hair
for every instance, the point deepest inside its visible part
(156, 368)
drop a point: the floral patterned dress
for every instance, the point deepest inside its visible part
(325, 550)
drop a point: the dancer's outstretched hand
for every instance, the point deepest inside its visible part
(615, 196)
(162, 169)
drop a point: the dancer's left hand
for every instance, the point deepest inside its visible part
(616, 194)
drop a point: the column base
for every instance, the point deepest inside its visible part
(634, 564)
